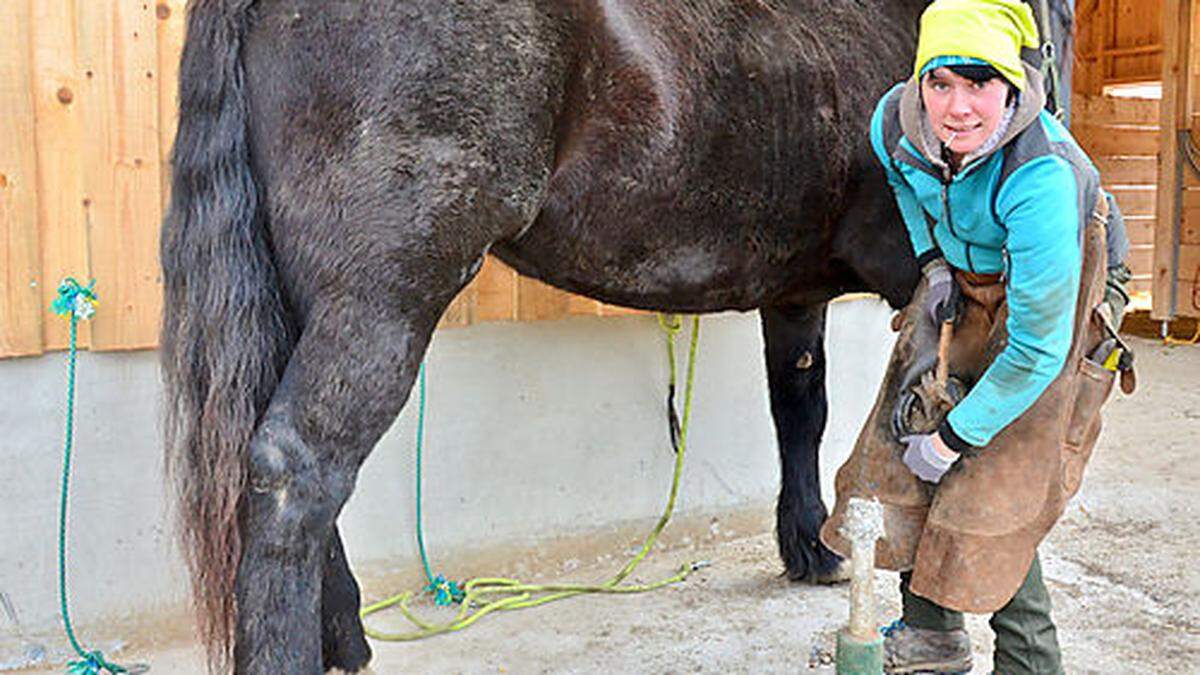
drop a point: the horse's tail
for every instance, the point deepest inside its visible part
(226, 334)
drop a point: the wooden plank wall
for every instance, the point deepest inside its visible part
(1133, 141)
(20, 321)
(1117, 42)
(87, 117)
(1122, 138)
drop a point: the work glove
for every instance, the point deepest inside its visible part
(940, 294)
(924, 460)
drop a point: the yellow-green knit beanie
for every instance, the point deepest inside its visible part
(991, 30)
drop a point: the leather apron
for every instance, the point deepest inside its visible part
(970, 539)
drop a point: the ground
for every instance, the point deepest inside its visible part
(1121, 567)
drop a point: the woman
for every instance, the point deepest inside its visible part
(1002, 206)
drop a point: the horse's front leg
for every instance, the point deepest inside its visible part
(795, 352)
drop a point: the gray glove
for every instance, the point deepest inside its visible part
(924, 460)
(941, 288)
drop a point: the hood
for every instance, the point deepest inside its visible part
(915, 123)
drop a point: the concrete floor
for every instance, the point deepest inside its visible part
(1120, 567)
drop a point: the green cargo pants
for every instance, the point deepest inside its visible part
(1026, 640)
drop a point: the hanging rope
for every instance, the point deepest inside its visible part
(76, 302)
(445, 592)
(483, 596)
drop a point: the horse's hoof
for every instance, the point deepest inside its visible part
(838, 575)
(366, 670)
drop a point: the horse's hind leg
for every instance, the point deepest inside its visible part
(347, 380)
(343, 645)
(369, 300)
(795, 351)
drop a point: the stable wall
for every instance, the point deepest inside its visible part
(535, 432)
(87, 118)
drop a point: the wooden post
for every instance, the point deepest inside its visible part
(1175, 121)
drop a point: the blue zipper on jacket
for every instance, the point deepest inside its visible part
(950, 222)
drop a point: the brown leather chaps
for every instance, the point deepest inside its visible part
(969, 540)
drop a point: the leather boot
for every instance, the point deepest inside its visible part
(908, 649)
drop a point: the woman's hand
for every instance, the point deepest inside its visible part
(941, 289)
(928, 457)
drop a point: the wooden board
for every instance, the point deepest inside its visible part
(1105, 109)
(496, 299)
(537, 301)
(1123, 140)
(20, 299)
(171, 17)
(1140, 230)
(122, 168)
(1141, 257)
(61, 133)
(1124, 171)
(1139, 201)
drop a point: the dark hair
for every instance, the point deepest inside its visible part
(983, 73)
(975, 72)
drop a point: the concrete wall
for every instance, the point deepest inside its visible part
(533, 431)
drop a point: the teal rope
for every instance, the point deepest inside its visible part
(79, 303)
(445, 592)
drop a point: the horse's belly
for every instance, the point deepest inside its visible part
(668, 256)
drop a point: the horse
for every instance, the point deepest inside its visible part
(341, 169)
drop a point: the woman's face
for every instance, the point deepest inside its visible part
(963, 113)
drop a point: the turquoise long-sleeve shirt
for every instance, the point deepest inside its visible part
(1023, 218)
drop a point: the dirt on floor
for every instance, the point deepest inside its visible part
(1121, 568)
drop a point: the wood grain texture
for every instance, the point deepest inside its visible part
(1176, 113)
(61, 134)
(122, 168)
(20, 260)
(170, 16)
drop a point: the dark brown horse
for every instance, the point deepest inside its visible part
(342, 167)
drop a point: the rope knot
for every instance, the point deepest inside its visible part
(445, 592)
(75, 299)
(92, 663)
